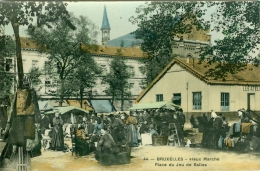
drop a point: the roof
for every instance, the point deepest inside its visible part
(128, 40)
(76, 103)
(55, 103)
(105, 22)
(249, 76)
(134, 52)
(27, 42)
(155, 105)
(67, 109)
(102, 106)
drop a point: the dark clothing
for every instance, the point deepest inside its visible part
(144, 128)
(57, 139)
(44, 124)
(106, 145)
(182, 120)
(117, 130)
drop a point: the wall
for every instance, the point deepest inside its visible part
(30, 55)
(177, 80)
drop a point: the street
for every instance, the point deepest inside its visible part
(153, 158)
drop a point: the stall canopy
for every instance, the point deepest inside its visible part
(102, 106)
(155, 105)
(45, 105)
(64, 110)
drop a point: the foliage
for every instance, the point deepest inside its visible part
(160, 22)
(68, 52)
(25, 13)
(152, 68)
(34, 76)
(239, 23)
(159, 25)
(117, 80)
(85, 78)
(7, 47)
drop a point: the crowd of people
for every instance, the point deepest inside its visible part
(120, 128)
(242, 135)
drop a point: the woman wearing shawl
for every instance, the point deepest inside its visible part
(57, 140)
(98, 126)
(132, 136)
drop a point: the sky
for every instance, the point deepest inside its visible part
(118, 14)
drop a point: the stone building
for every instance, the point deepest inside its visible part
(187, 47)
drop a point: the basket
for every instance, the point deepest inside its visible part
(159, 140)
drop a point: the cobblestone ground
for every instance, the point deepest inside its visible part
(153, 158)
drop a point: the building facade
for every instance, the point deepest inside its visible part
(183, 82)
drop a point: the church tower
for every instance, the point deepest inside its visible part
(105, 28)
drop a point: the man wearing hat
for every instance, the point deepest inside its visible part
(44, 123)
(116, 128)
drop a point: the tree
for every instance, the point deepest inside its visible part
(152, 68)
(25, 13)
(239, 22)
(117, 80)
(66, 50)
(34, 76)
(158, 24)
(7, 47)
(85, 78)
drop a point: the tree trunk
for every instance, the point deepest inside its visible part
(15, 26)
(113, 98)
(62, 93)
(81, 89)
(122, 100)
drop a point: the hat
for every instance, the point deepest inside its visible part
(111, 115)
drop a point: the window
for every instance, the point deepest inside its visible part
(176, 99)
(104, 69)
(47, 83)
(35, 63)
(131, 70)
(224, 101)
(196, 100)
(132, 85)
(8, 64)
(159, 97)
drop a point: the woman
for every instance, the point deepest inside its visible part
(98, 126)
(144, 128)
(106, 144)
(57, 140)
(132, 136)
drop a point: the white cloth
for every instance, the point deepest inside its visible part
(146, 139)
(213, 114)
(240, 113)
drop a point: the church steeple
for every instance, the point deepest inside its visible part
(105, 28)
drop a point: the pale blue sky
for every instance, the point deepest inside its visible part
(118, 15)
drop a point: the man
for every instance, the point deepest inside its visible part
(44, 123)
(217, 126)
(116, 128)
(182, 118)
